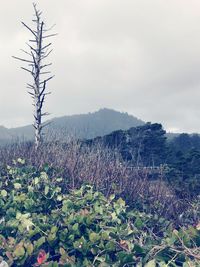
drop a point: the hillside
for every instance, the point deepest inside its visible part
(86, 126)
(143, 145)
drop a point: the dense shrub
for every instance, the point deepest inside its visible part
(43, 224)
(108, 173)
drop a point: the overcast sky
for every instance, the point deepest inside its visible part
(136, 56)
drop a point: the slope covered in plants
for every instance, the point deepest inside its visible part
(44, 224)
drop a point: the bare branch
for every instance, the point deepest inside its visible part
(38, 52)
(51, 28)
(45, 114)
(34, 126)
(47, 93)
(43, 48)
(22, 59)
(46, 65)
(43, 89)
(32, 48)
(33, 32)
(37, 12)
(45, 72)
(49, 78)
(30, 88)
(45, 56)
(30, 93)
(30, 85)
(26, 52)
(27, 70)
(50, 35)
(34, 59)
(41, 103)
(46, 124)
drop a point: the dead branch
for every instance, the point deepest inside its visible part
(38, 52)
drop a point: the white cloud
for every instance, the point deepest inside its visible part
(138, 56)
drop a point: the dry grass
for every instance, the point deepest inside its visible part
(103, 168)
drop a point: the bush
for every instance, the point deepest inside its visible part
(108, 173)
(44, 225)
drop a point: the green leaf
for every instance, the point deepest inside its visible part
(39, 242)
(138, 223)
(125, 258)
(59, 197)
(30, 188)
(121, 202)
(114, 216)
(51, 238)
(18, 215)
(138, 249)
(75, 227)
(46, 189)
(59, 179)
(163, 264)
(44, 176)
(112, 197)
(21, 161)
(58, 189)
(29, 249)
(98, 208)
(19, 251)
(105, 235)
(81, 245)
(54, 229)
(17, 186)
(62, 251)
(94, 237)
(36, 180)
(4, 193)
(151, 263)
(110, 246)
(67, 205)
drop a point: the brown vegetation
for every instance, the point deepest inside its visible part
(105, 169)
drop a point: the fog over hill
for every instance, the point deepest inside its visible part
(90, 125)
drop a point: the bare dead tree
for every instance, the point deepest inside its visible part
(38, 51)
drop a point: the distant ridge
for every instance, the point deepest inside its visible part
(83, 126)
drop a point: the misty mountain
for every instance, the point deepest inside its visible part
(83, 126)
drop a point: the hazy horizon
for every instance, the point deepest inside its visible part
(91, 112)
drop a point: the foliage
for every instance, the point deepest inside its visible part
(184, 173)
(167, 192)
(41, 224)
(143, 145)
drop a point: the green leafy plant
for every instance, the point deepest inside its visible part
(44, 225)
